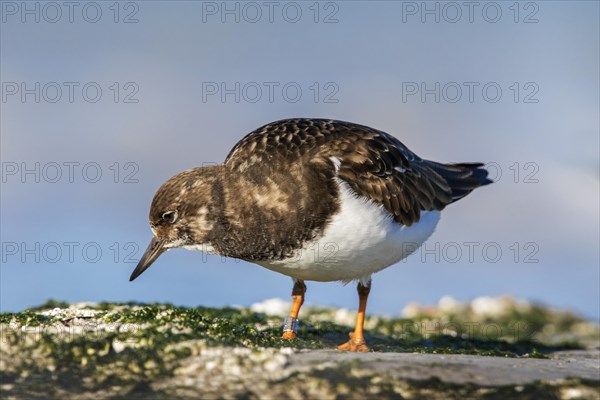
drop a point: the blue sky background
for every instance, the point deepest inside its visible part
(373, 51)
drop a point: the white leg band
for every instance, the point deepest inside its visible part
(290, 324)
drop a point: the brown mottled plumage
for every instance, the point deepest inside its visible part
(375, 164)
(294, 182)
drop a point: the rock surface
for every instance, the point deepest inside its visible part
(495, 348)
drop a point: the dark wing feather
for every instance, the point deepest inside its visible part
(375, 164)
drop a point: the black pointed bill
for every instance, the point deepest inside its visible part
(155, 249)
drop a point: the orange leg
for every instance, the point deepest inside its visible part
(290, 326)
(357, 340)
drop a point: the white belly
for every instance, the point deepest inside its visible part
(361, 239)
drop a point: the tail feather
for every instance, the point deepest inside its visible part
(462, 178)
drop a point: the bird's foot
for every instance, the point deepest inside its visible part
(289, 335)
(354, 345)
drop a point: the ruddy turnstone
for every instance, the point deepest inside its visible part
(314, 199)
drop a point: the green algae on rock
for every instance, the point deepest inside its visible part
(132, 346)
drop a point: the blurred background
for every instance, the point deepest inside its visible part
(103, 101)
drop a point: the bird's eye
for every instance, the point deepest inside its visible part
(170, 217)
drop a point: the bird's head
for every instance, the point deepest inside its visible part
(179, 215)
